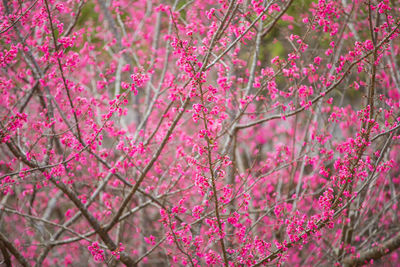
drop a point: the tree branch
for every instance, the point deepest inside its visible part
(374, 253)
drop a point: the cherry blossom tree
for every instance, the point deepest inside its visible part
(199, 132)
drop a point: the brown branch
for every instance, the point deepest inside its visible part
(268, 30)
(135, 188)
(333, 86)
(94, 223)
(13, 250)
(61, 69)
(374, 253)
(16, 21)
(6, 256)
